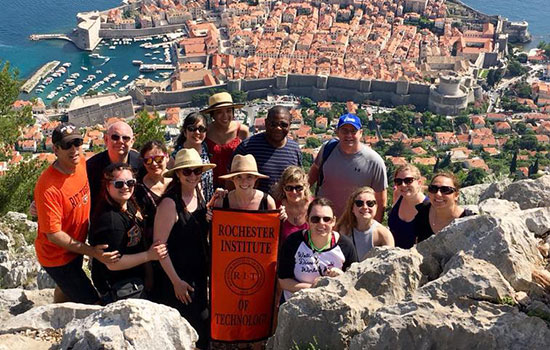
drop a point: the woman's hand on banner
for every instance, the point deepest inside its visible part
(282, 213)
(183, 291)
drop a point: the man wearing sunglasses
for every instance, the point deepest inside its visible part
(62, 198)
(118, 141)
(273, 151)
(350, 164)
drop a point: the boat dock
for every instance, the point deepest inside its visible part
(155, 67)
(46, 69)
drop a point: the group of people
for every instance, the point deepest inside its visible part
(145, 216)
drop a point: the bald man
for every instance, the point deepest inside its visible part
(118, 140)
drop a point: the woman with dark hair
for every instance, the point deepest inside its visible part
(118, 223)
(442, 208)
(192, 135)
(292, 191)
(358, 223)
(406, 196)
(152, 186)
(308, 255)
(181, 224)
(224, 134)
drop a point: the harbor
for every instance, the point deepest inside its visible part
(41, 73)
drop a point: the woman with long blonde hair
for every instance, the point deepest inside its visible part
(358, 223)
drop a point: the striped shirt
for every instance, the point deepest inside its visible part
(271, 161)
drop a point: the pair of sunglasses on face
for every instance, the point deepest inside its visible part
(407, 181)
(297, 188)
(189, 171)
(317, 219)
(359, 203)
(118, 184)
(156, 159)
(68, 145)
(443, 189)
(116, 137)
(201, 129)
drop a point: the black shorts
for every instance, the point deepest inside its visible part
(73, 282)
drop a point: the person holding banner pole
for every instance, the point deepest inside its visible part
(308, 255)
(181, 223)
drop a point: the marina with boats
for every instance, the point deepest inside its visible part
(100, 71)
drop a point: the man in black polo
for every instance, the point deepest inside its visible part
(118, 140)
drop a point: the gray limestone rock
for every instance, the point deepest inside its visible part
(495, 189)
(503, 241)
(529, 193)
(130, 324)
(465, 324)
(537, 220)
(21, 342)
(494, 206)
(337, 308)
(48, 316)
(471, 194)
(4, 241)
(17, 301)
(43, 280)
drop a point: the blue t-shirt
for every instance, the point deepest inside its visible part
(271, 161)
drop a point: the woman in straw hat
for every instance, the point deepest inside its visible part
(180, 222)
(224, 134)
(244, 174)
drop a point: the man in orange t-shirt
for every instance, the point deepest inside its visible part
(62, 197)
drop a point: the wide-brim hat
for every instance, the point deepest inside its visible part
(188, 158)
(244, 165)
(221, 100)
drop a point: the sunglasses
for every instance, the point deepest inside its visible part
(116, 137)
(156, 159)
(120, 183)
(317, 219)
(201, 129)
(282, 125)
(406, 181)
(68, 145)
(443, 189)
(359, 203)
(298, 188)
(188, 171)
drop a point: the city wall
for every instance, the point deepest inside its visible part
(134, 33)
(318, 88)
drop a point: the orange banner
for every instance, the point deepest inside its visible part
(243, 274)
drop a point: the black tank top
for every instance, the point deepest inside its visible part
(262, 206)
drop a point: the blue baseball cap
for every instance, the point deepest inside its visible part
(350, 119)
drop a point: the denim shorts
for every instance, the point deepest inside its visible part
(73, 282)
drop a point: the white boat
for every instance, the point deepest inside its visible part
(112, 47)
(125, 77)
(99, 71)
(84, 68)
(67, 64)
(95, 55)
(148, 54)
(137, 62)
(112, 75)
(156, 51)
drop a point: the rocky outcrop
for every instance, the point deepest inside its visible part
(17, 301)
(18, 265)
(130, 324)
(482, 282)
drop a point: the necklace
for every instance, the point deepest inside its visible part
(314, 247)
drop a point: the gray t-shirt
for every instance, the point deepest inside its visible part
(344, 173)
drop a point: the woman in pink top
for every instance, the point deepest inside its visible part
(224, 134)
(292, 191)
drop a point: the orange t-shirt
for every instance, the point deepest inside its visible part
(63, 204)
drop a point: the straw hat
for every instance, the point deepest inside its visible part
(188, 158)
(243, 165)
(221, 100)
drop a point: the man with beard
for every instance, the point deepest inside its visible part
(273, 151)
(62, 197)
(347, 165)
